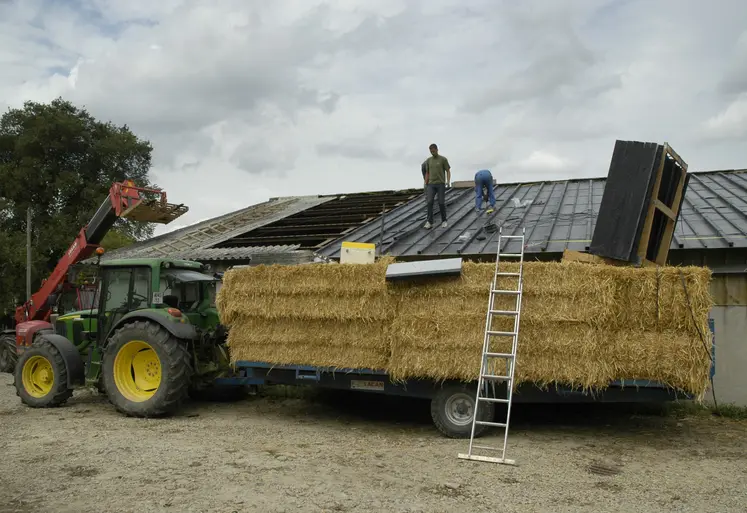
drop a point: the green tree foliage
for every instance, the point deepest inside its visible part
(116, 239)
(60, 161)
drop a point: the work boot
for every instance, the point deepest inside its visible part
(444, 224)
(427, 225)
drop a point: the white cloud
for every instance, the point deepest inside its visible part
(247, 100)
(543, 161)
(731, 124)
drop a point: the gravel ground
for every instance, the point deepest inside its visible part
(355, 452)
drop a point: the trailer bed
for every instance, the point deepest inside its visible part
(442, 394)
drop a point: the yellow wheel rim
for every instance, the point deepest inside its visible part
(137, 371)
(37, 376)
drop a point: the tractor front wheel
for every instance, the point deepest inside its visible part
(8, 356)
(41, 376)
(146, 370)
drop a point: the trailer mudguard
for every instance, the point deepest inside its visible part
(73, 361)
(181, 330)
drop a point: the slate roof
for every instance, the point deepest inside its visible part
(557, 215)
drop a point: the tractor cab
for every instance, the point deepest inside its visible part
(177, 291)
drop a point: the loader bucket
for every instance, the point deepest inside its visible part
(154, 211)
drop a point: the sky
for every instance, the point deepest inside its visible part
(244, 100)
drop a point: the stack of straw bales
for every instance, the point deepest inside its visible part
(582, 325)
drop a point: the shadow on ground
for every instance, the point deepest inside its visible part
(363, 407)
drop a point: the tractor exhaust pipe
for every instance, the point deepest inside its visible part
(28, 253)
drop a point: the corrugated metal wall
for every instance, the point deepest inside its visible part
(730, 379)
(729, 289)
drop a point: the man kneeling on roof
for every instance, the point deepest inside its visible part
(484, 190)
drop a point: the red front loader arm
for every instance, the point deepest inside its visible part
(124, 200)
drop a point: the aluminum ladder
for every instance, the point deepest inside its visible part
(485, 378)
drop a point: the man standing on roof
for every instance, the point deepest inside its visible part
(484, 187)
(437, 177)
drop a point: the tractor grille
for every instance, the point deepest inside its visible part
(60, 327)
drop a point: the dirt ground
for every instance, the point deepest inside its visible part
(355, 452)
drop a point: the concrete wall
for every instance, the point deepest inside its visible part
(730, 379)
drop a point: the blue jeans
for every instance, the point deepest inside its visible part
(484, 179)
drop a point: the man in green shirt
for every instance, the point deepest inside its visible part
(437, 176)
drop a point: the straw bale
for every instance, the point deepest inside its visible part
(365, 307)
(357, 344)
(312, 291)
(309, 278)
(601, 295)
(572, 354)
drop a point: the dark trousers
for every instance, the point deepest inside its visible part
(431, 190)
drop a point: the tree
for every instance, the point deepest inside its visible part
(58, 160)
(116, 239)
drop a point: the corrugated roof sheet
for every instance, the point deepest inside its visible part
(214, 231)
(319, 224)
(244, 253)
(557, 215)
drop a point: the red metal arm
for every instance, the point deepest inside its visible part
(36, 307)
(122, 196)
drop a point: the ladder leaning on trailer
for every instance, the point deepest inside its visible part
(488, 376)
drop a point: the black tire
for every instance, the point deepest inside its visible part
(44, 353)
(452, 409)
(8, 355)
(172, 358)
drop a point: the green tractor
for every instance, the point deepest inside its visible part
(151, 338)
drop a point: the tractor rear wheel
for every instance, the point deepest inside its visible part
(146, 370)
(8, 356)
(41, 376)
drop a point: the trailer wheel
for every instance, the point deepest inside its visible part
(8, 355)
(146, 370)
(41, 376)
(452, 409)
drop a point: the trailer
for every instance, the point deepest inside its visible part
(452, 402)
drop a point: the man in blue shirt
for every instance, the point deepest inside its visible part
(484, 187)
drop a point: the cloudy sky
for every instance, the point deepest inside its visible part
(244, 100)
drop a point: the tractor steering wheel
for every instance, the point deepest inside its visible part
(141, 299)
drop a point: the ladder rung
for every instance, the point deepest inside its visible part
(486, 459)
(512, 255)
(507, 274)
(493, 400)
(499, 355)
(504, 312)
(496, 291)
(511, 236)
(492, 424)
(502, 333)
(493, 377)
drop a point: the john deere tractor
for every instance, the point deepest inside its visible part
(152, 336)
